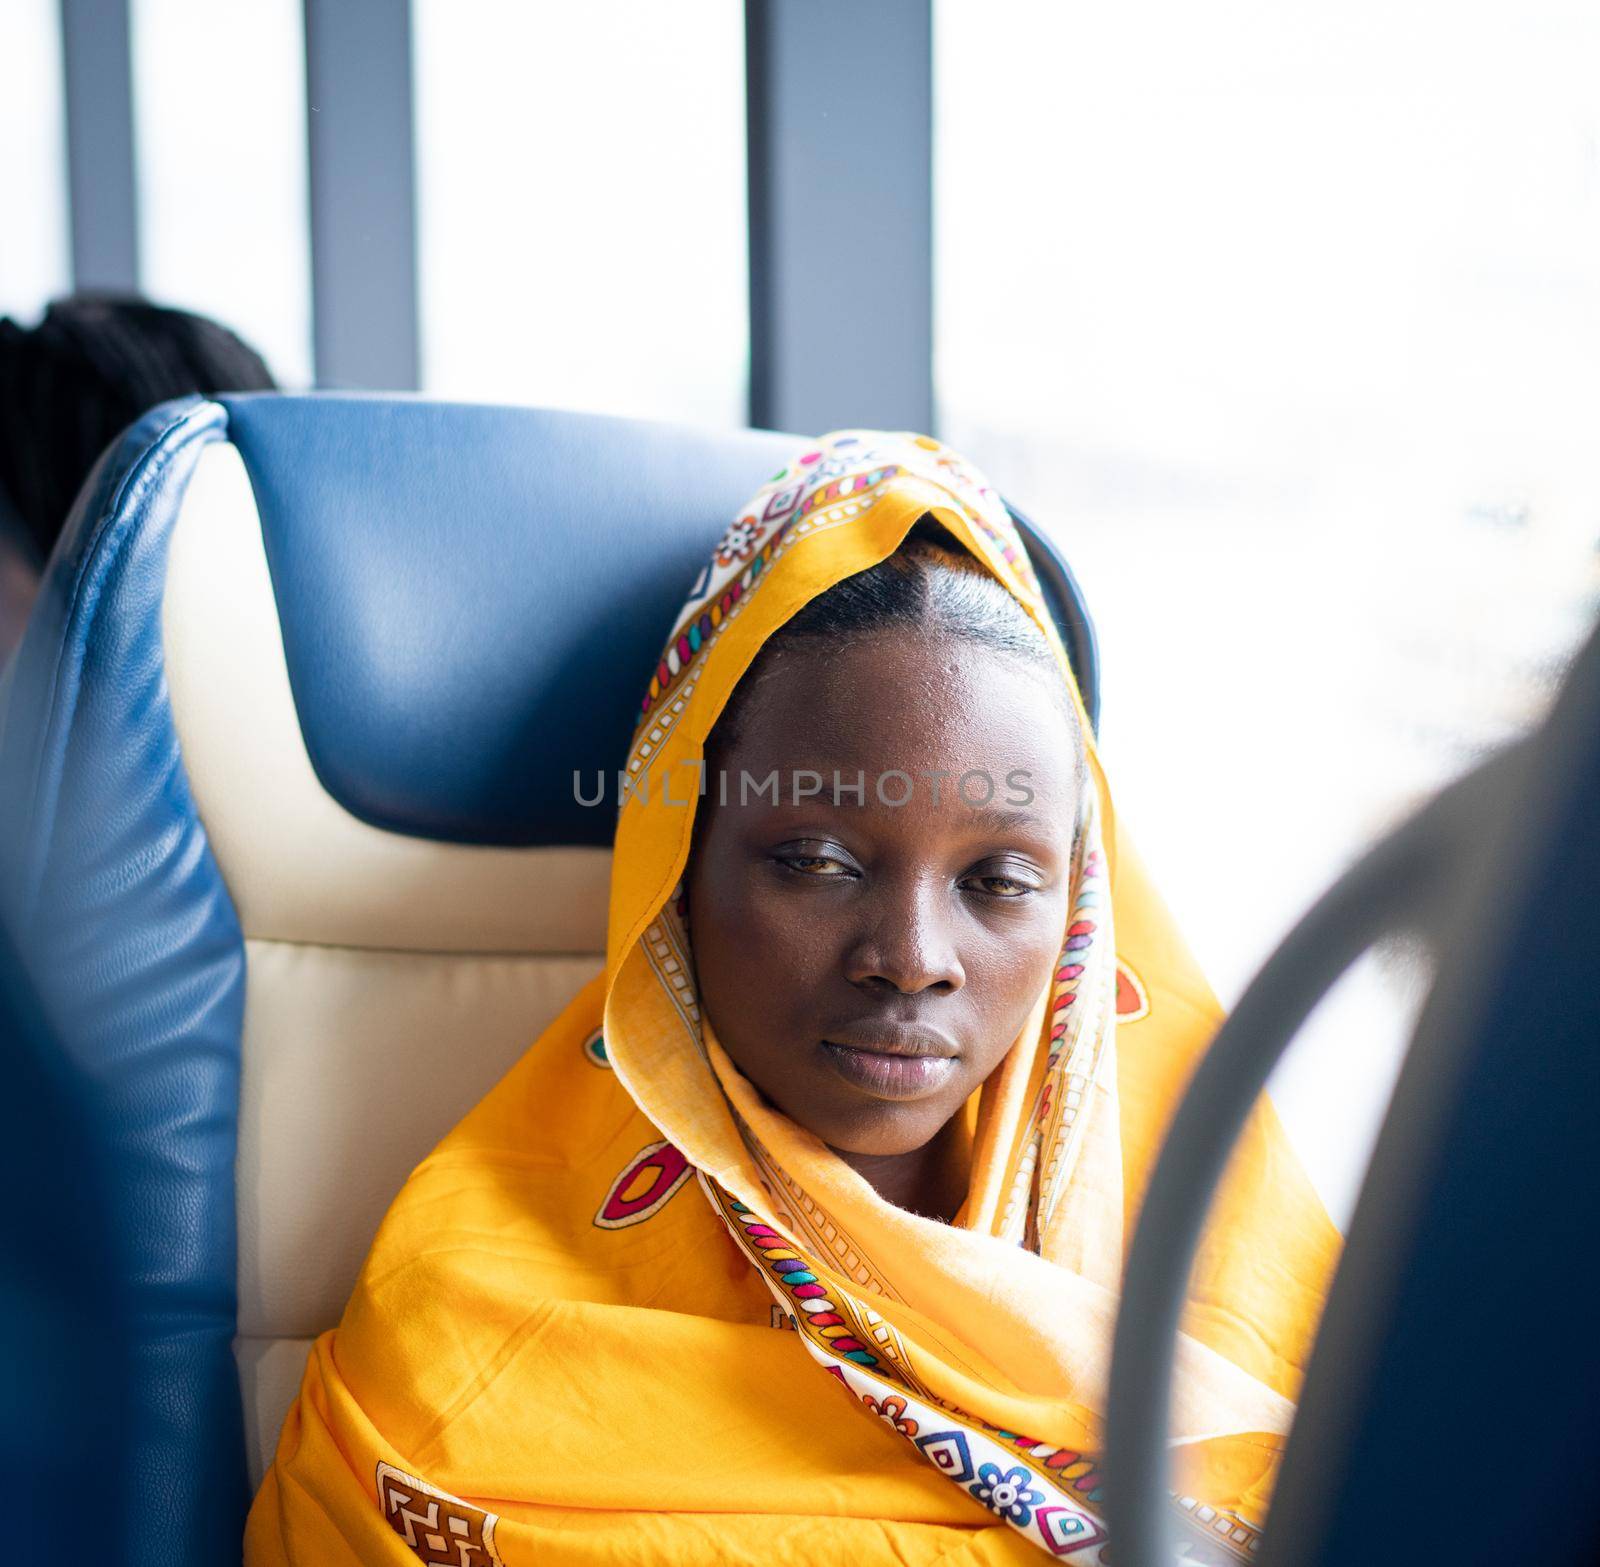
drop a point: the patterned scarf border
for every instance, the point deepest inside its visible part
(1049, 1495)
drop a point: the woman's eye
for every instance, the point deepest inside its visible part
(1001, 886)
(815, 865)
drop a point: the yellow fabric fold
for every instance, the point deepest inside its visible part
(627, 1311)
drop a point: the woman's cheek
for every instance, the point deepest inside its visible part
(796, 929)
(762, 947)
(1014, 964)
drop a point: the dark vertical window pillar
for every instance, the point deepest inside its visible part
(841, 213)
(363, 193)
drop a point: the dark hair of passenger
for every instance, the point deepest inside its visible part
(89, 369)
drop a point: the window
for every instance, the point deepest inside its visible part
(581, 205)
(220, 147)
(35, 256)
(1285, 319)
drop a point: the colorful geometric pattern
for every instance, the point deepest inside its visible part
(1008, 1492)
(698, 633)
(650, 1181)
(780, 1260)
(832, 482)
(1075, 1033)
(949, 1453)
(1048, 1494)
(1223, 1525)
(438, 1527)
(1074, 956)
(1064, 1531)
(976, 1458)
(1133, 1000)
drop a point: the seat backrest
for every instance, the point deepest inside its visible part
(63, 1320)
(1465, 1301)
(288, 763)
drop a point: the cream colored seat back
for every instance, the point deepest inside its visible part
(391, 979)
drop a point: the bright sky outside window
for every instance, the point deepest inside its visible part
(35, 255)
(1286, 319)
(220, 142)
(581, 198)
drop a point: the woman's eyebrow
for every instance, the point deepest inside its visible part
(998, 819)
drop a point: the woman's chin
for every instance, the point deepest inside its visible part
(893, 1132)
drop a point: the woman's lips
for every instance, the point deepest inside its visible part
(889, 1075)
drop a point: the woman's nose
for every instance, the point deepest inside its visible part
(907, 942)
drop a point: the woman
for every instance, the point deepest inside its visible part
(798, 1235)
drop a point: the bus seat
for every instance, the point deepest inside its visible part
(292, 843)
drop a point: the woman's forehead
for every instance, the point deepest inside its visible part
(907, 702)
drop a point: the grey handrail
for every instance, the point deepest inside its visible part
(1398, 884)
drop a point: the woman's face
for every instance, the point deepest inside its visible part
(868, 963)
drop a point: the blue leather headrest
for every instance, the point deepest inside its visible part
(472, 597)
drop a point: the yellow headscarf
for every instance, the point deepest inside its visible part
(629, 1312)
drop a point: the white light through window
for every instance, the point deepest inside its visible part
(35, 259)
(581, 199)
(220, 144)
(1286, 320)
